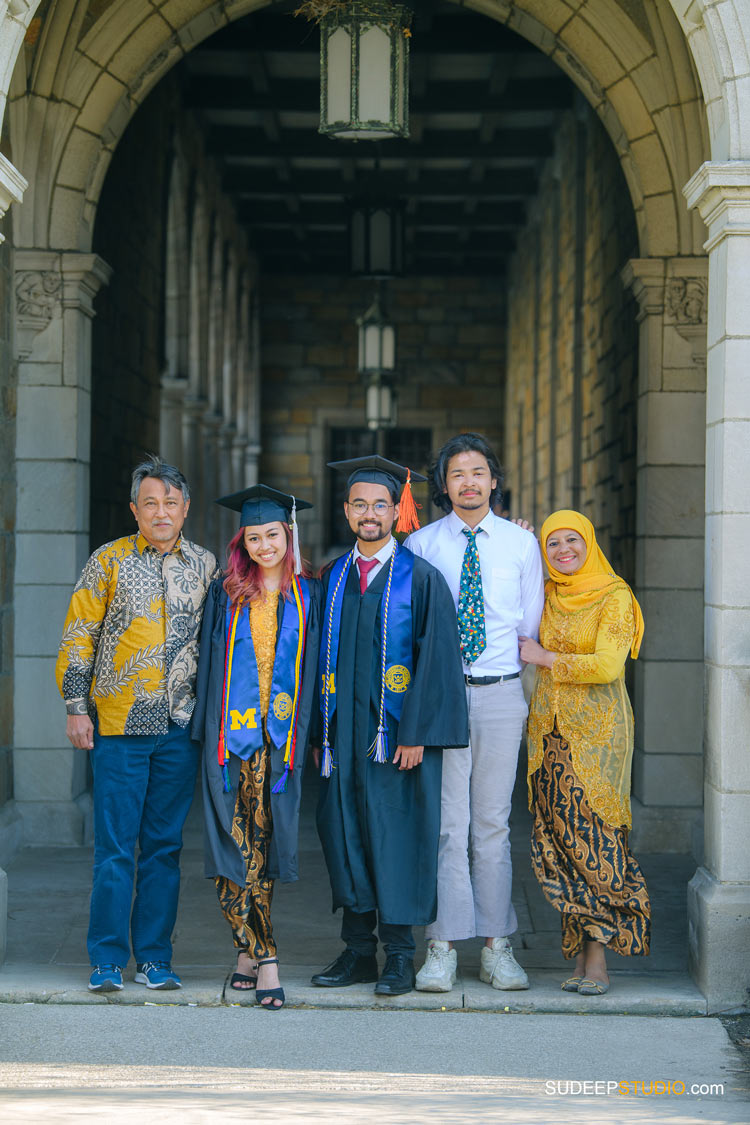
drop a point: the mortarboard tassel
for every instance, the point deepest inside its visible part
(280, 786)
(408, 520)
(295, 539)
(379, 749)
(326, 764)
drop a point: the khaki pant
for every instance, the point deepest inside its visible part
(474, 866)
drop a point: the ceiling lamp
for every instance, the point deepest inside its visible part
(376, 238)
(377, 341)
(364, 70)
(380, 403)
(376, 362)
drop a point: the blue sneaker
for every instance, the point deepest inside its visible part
(105, 978)
(157, 974)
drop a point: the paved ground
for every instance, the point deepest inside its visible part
(475, 1054)
(48, 901)
(160, 1064)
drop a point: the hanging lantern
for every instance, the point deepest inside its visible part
(376, 238)
(377, 341)
(364, 70)
(380, 403)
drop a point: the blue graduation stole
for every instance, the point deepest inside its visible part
(395, 646)
(242, 725)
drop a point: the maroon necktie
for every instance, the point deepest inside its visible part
(365, 566)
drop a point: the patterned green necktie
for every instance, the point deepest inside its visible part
(471, 603)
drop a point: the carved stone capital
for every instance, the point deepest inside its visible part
(645, 279)
(38, 294)
(12, 186)
(721, 192)
(685, 301)
(46, 283)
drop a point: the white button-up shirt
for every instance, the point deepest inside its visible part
(512, 582)
(382, 556)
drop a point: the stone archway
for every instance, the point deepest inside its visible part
(86, 82)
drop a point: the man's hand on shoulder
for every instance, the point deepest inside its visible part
(524, 524)
(409, 756)
(80, 731)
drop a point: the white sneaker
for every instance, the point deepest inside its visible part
(438, 974)
(499, 967)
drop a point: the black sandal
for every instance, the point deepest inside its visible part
(262, 994)
(242, 978)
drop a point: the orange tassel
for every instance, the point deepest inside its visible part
(408, 520)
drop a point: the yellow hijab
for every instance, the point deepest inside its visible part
(593, 579)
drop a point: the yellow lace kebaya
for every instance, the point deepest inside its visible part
(263, 628)
(592, 620)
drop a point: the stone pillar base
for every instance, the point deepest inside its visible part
(52, 822)
(11, 832)
(670, 829)
(11, 841)
(718, 941)
(3, 914)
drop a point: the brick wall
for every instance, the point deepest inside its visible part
(127, 341)
(450, 359)
(572, 344)
(7, 513)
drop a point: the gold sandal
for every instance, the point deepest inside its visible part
(571, 984)
(589, 987)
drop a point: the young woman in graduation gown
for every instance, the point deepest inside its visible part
(256, 684)
(580, 740)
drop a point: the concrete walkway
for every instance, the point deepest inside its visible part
(160, 1064)
(48, 916)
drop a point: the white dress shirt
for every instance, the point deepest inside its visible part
(382, 557)
(512, 582)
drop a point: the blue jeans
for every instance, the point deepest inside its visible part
(143, 788)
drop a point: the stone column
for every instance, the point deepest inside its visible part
(192, 466)
(173, 390)
(668, 764)
(719, 893)
(210, 425)
(12, 187)
(54, 302)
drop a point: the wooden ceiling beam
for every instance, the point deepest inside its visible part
(216, 93)
(223, 140)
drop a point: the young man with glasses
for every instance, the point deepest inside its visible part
(392, 698)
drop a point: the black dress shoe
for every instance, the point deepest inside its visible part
(398, 975)
(349, 967)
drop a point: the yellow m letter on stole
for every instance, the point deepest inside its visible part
(331, 683)
(243, 719)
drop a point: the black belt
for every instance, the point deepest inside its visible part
(482, 681)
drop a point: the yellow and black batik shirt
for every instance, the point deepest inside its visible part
(130, 642)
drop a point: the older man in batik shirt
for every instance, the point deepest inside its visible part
(126, 670)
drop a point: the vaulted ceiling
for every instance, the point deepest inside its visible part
(484, 108)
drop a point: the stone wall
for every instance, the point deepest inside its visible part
(7, 512)
(450, 349)
(572, 345)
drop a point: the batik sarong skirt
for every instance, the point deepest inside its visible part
(583, 865)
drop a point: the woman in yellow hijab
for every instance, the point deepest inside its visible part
(580, 740)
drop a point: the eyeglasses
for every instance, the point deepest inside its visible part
(379, 507)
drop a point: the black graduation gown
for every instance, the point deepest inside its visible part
(379, 825)
(222, 856)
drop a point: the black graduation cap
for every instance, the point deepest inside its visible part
(260, 504)
(375, 470)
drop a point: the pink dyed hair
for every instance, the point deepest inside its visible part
(243, 579)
